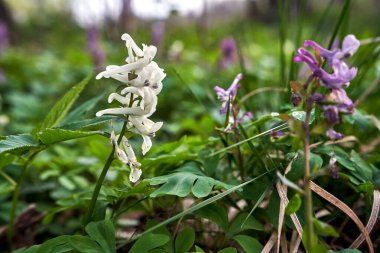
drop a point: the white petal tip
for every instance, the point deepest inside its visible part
(135, 175)
(98, 114)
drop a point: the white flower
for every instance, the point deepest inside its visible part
(127, 156)
(147, 129)
(146, 107)
(138, 101)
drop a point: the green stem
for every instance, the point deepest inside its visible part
(101, 178)
(307, 190)
(16, 196)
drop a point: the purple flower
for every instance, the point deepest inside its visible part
(342, 74)
(229, 94)
(335, 103)
(333, 135)
(275, 135)
(349, 46)
(338, 98)
(229, 52)
(246, 115)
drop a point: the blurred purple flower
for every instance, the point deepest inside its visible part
(295, 98)
(275, 135)
(4, 36)
(229, 52)
(93, 47)
(246, 115)
(228, 95)
(157, 33)
(333, 135)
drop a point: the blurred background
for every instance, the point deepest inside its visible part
(46, 46)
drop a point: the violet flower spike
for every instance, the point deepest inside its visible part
(228, 95)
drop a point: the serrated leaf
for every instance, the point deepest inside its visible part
(103, 232)
(184, 240)
(17, 143)
(84, 244)
(54, 135)
(77, 113)
(60, 109)
(181, 183)
(215, 213)
(248, 243)
(87, 123)
(149, 242)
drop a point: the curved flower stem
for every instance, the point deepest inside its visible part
(16, 196)
(101, 178)
(308, 197)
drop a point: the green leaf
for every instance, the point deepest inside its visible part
(60, 109)
(228, 250)
(242, 223)
(149, 242)
(345, 251)
(201, 205)
(17, 143)
(77, 113)
(54, 135)
(184, 240)
(324, 229)
(215, 213)
(84, 244)
(87, 123)
(103, 232)
(248, 243)
(182, 182)
(32, 249)
(293, 205)
(58, 244)
(6, 158)
(198, 249)
(298, 166)
(363, 170)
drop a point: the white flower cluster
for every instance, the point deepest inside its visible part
(139, 100)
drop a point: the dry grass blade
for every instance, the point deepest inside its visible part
(372, 219)
(281, 213)
(284, 244)
(270, 243)
(349, 138)
(294, 242)
(344, 208)
(282, 192)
